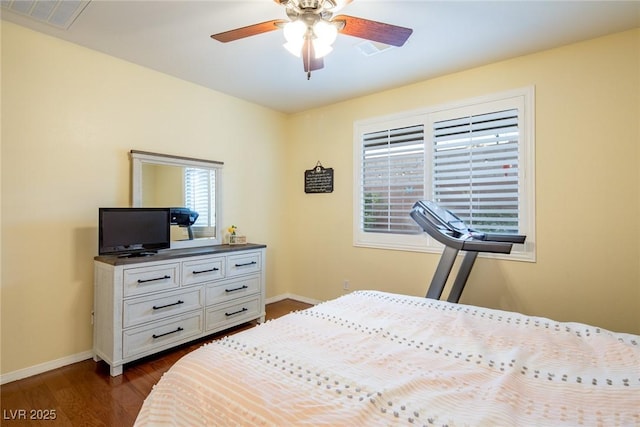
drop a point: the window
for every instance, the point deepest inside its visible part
(475, 169)
(473, 157)
(392, 178)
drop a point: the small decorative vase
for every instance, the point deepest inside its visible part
(236, 239)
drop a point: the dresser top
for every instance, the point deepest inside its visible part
(177, 253)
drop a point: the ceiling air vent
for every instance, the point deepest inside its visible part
(369, 48)
(59, 13)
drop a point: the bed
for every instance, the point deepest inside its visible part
(373, 358)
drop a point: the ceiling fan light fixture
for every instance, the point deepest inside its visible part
(325, 31)
(294, 46)
(295, 31)
(320, 48)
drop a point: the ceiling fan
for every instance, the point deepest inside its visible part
(312, 29)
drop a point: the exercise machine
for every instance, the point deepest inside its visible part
(451, 231)
(185, 218)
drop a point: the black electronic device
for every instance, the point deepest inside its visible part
(184, 217)
(133, 231)
(444, 226)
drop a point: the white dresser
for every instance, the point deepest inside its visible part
(149, 304)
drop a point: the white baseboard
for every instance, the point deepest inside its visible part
(59, 363)
(44, 367)
(294, 297)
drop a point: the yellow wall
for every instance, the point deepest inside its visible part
(71, 115)
(69, 118)
(588, 213)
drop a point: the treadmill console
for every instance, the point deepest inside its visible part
(442, 218)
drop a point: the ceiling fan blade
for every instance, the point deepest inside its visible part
(309, 60)
(250, 30)
(373, 30)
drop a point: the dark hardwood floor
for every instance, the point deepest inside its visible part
(84, 394)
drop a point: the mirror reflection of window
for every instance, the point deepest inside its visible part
(199, 196)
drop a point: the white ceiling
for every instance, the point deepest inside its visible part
(173, 37)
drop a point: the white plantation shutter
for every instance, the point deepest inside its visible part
(476, 169)
(475, 157)
(199, 194)
(392, 179)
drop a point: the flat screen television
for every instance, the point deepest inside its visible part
(133, 231)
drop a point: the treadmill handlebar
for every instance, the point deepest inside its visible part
(472, 245)
(511, 238)
(458, 236)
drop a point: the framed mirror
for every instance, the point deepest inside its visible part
(191, 186)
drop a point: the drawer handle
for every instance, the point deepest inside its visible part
(153, 280)
(237, 312)
(236, 289)
(246, 264)
(206, 271)
(168, 333)
(158, 307)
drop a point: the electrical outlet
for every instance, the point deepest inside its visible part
(345, 285)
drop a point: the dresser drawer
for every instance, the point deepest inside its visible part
(146, 309)
(154, 337)
(244, 264)
(234, 312)
(231, 289)
(202, 270)
(142, 280)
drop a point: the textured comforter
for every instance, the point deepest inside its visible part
(372, 358)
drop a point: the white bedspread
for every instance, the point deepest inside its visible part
(372, 358)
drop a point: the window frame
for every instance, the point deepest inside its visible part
(523, 99)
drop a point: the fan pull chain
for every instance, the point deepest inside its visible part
(308, 52)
